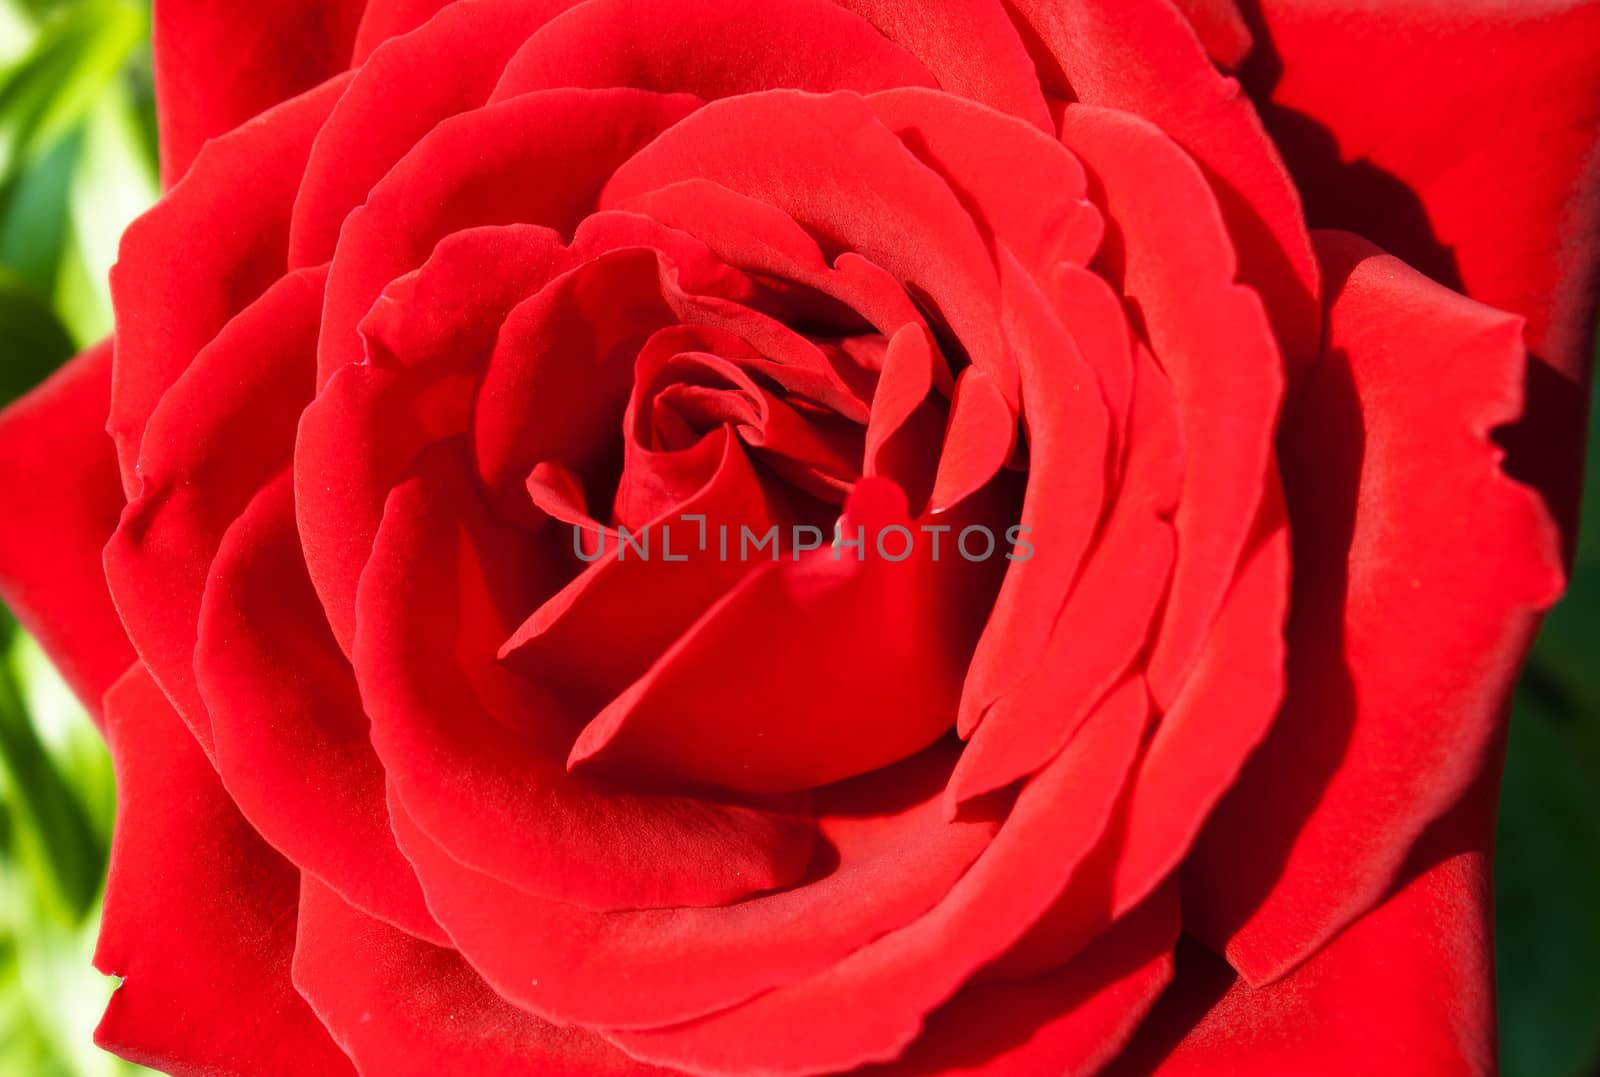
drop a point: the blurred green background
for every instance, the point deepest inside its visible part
(77, 162)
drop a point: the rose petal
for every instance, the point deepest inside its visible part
(571, 644)
(1194, 755)
(886, 857)
(476, 753)
(360, 436)
(978, 442)
(970, 46)
(215, 70)
(199, 913)
(1068, 432)
(410, 85)
(1142, 57)
(1223, 711)
(830, 165)
(384, 19)
(230, 218)
(1022, 187)
(763, 240)
(1092, 313)
(1211, 336)
(59, 483)
(1369, 112)
(887, 630)
(1108, 616)
(402, 1007)
(558, 381)
(1221, 29)
(712, 49)
(1406, 988)
(430, 337)
(1069, 1022)
(1420, 568)
(473, 170)
(221, 433)
(692, 380)
(886, 989)
(291, 738)
(907, 418)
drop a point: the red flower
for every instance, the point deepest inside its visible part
(417, 777)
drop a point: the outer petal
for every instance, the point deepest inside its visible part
(62, 497)
(1067, 1023)
(404, 1008)
(1192, 757)
(1406, 990)
(223, 430)
(880, 995)
(216, 65)
(1140, 56)
(1221, 29)
(473, 170)
(1464, 138)
(384, 19)
(230, 220)
(1370, 109)
(289, 733)
(199, 919)
(1420, 568)
(889, 855)
(402, 92)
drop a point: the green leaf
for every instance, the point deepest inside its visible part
(56, 842)
(34, 217)
(63, 727)
(115, 181)
(1547, 934)
(77, 53)
(50, 995)
(1571, 634)
(33, 341)
(1547, 869)
(16, 33)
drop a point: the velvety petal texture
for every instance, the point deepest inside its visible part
(202, 951)
(1368, 108)
(398, 1005)
(1403, 636)
(215, 69)
(1406, 989)
(1510, 216)
(50, 578)
(806, 538)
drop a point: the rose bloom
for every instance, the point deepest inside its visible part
(1204, 784)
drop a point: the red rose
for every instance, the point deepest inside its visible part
(428, 765)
